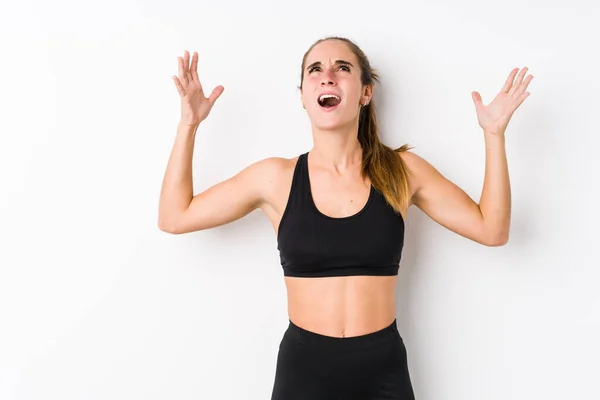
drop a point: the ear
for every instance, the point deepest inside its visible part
(367, 94)
(302, 98)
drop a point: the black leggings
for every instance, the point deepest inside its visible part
(311, 366)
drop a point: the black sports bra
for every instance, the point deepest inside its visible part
(312, 244)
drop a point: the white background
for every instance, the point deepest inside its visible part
(97, 303)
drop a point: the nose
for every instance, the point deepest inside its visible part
(327, 78)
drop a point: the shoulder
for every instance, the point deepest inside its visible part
(271, 173)
(273, 167)
(421, 171)
(269, 167)
(414, 162)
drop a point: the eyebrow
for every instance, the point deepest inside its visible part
(337, 62)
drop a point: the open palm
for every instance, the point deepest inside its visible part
(494, 117)
(195, 106)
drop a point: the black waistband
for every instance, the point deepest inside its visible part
(331, 343)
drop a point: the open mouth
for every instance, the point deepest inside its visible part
(329, 101)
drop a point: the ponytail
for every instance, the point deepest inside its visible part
(383, 165)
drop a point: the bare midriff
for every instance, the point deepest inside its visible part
(342, 306)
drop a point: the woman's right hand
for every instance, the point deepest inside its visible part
(195, 107)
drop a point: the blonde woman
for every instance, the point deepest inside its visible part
(338, 211)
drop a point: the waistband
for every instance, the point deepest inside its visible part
(352, 343)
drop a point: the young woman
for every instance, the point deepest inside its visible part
(338, 212)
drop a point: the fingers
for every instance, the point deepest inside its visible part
(179, 86)
(521, 99)
(215, 94)
(186, 65)
(188, 73)
(181, 71)
(194, 68)
(476, 99)
(518, 81)
(184, 68)
(509, 81)
(523, 86)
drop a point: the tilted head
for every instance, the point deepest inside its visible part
(336, 82)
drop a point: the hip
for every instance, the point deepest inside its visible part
(316, 366)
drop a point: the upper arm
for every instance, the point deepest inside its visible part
(445, 202)
(228, 200)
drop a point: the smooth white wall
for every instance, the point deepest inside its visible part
(97, 303)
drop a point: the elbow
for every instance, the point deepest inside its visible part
(168, 226)
(497, 239)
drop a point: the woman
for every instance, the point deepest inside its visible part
(338, 212)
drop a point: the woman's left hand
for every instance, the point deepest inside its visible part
(494, 117)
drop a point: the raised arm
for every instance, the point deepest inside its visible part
(179, 210)
(486, 222)
(447, 204)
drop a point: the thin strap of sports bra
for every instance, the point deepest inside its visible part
(300, 189)
(304, 192)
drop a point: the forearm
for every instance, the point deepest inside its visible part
(177, 186)
(495, 202)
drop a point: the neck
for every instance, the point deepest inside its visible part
(338, 148)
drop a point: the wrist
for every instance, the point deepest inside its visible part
(493, 140)
(186, 128)
(489, 135)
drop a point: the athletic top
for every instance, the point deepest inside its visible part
(312, 244)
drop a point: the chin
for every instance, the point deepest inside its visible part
(331, 121)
